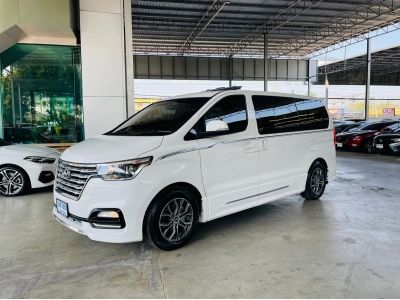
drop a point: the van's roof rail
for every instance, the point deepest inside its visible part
(220, 89)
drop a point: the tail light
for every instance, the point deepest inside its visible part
(356, 139)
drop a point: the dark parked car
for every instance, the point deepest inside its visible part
(361, 138)
(388, 142)
(341, 125)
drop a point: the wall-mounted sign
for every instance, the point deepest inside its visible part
(389, 112)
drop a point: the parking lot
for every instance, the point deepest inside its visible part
(346, 245)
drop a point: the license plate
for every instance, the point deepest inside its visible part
(379, 146)
(339, 144)
(62, 208)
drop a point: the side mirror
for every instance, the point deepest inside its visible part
(216, 127)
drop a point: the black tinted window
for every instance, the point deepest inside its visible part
(275, 114)
(231, 109)
(376, 126)
(312, 114)
(391, 128)
(161, 118)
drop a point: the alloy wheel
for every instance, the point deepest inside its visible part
(176, 219)
(317, 180)
(11, 181)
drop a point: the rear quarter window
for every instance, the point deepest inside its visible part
(275, 114)
(312, 114)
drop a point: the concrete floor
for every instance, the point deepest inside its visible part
(346, 245)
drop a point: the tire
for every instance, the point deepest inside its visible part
(317, 173)
(172, 219)
(13, 181)
(369, 147)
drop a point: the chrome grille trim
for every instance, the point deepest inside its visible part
(73, 185)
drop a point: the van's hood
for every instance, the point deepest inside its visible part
(27, 149)
(108, 148)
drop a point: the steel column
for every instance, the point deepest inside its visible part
(368, 79)
(230, 70)
(266, 63)
(309, 79)
(326, 90)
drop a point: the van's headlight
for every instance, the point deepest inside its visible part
(122, 170)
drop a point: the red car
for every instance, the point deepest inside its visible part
(362, 137)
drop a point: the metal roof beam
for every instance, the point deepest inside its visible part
(282, 18)
(338, 45)
(205, 20)
(343, 28)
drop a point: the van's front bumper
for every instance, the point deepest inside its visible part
(129, 197)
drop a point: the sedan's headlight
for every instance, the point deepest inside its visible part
(396, 140)
(122, 170)
(40, 159)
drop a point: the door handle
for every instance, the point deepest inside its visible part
(265, 145)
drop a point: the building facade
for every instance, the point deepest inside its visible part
(64, 72)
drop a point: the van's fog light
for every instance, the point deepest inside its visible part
(108, 214)
(107, 218)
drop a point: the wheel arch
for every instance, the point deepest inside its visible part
(182, 184)
(322, 161)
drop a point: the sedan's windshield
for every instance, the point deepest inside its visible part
(160, 118)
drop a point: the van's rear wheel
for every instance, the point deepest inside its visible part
(316, 181)
(172, 219)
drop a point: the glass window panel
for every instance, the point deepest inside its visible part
(275, 114)
(312, 114)
(40, 94)
(231, 109)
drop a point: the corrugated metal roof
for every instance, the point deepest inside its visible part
(236, 27)
(385, 69)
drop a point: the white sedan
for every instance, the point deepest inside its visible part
(23, 167)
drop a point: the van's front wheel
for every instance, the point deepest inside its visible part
(316, 182)
(172, 219)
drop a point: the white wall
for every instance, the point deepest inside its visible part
(104, 74)
(36, 22)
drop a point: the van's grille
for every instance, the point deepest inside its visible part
(71, 178)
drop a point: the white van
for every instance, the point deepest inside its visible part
(194, 158)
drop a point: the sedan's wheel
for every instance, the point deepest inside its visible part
(172, 219)
(316, 182)
(369, 147)
(13, 181)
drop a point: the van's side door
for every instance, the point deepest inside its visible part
(277, 121)
(229, 161)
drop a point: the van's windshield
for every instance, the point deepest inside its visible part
(161, 118)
